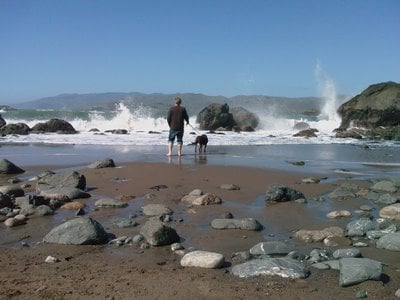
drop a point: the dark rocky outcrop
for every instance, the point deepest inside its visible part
(218, 117)
(215, 116)
(307, 133)
(54, 125)
(378, 105)
(2, 121)
(17, 128)
(244, 119)
(7, 167)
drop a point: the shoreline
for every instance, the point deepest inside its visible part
(123, 272)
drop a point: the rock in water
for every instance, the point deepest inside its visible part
(283, 267)
(244, 224)
(7, 167)
(78, 231)
(281, 193)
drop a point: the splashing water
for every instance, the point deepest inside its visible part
(328, 118)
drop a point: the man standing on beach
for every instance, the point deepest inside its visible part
(176, 116)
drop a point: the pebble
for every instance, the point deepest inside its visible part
(51, 259)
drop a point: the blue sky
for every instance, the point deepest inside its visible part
(214, 47)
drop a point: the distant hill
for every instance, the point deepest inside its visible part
(160, 102)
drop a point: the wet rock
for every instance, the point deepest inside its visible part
(245, 224)
(203, 259)
(325, 265)
(15, 221)
(360, 227)
(357, 270)
(63, 194)
(318, 255)
(376, 234)
(110, 203)
(230, 187)
(281, 193)
(157, 233)
(307, 133)
(196, 192)
(15, 128)
(312, 236)
(156, 210)
(342, 192)
(68, 179)
(390, 241)
(387, 199)
(311, 180)
(77, 231)
(338, 214)
(366, 207)
(80, 212)
(176, 246)
(43, 210)
(283, 267)
(102, 163)
(351, 252)
(54, 125)
(227, 215)
(74, 205)
(241, 256)
(124, 223)
(12, 190)
(207, 199)
(271, 248)
(6, 201)
(391, 211)
(385, 186)
(7, 167)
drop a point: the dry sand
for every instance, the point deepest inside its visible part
(126, 272)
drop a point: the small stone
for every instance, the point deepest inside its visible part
(338, 214)
(51, 259)
(176, 246)
(397, 294)
(361, 294)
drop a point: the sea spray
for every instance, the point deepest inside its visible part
(328, 118)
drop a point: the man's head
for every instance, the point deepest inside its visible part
(178, 101)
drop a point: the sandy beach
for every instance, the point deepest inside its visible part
(129, 272)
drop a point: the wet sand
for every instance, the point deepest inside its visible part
(127, 272)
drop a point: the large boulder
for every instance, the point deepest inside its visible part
(378, 105)
(17, 128)
(244, 119)
(62, 180)
(54, 125)
(78, 231)
(215, 116)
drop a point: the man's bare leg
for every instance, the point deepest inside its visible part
(170, 149)
(179, 149)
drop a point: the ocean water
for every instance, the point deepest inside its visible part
(272, 145)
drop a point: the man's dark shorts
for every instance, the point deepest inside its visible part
(175, 133)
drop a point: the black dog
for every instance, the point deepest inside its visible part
(201, 143)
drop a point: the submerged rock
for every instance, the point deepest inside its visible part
(245, 224)
(283, 267)
(271, 248)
